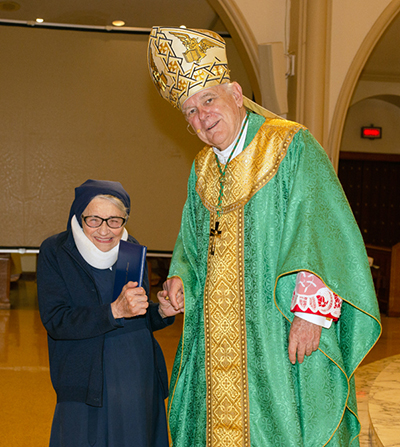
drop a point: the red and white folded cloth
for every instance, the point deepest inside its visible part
(314, 302)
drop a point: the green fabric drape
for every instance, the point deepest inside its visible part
(299, 221)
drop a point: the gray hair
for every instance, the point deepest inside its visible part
(115, 201)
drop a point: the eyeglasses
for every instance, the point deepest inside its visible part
(96, 221)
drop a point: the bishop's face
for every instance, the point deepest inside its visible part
(216, 114)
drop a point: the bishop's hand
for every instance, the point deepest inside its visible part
(303, 339)
(172, 295)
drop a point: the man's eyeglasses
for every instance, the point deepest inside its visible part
(96, 221)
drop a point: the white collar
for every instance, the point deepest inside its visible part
(91, 254)
(224, 155)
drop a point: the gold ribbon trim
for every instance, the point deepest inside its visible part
(225, 338)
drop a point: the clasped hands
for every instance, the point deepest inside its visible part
(133, 301)
(304, 336)
(172, 298)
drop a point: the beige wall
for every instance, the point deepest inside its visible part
(351, 22)
(77, 105)
(379, 113)
(266, 18)
(376, 102)
(348, 25)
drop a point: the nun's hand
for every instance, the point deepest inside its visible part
(166, 308)
(131, 302)
(173, 295)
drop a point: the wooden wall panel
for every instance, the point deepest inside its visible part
(373, 190)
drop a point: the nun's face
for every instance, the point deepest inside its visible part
(103, 237)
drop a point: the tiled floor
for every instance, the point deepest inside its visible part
(26, 396)
(384, 356)
(384, 400)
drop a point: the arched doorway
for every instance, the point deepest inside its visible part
(370, 169)
(383, 23)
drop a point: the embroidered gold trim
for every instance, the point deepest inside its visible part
(225, 338)
(249, 171)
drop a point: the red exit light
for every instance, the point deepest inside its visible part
(371, 132)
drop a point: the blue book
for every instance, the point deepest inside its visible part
(130, 265)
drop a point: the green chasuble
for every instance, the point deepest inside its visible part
(283, 211)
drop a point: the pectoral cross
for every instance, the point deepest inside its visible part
(214, 233)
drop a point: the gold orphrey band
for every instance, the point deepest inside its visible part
(225, 338)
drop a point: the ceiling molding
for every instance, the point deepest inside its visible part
(394, 78)
(390, 99)
(74, 27)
